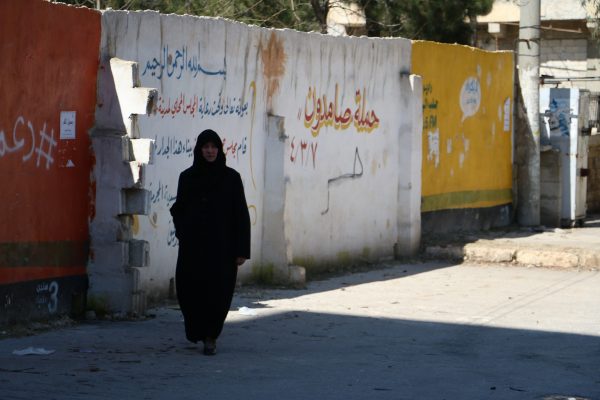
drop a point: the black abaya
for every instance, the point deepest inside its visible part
(213, 227)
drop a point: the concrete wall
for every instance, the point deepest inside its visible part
(564, 57)
(593, 180)
(467, 135)
(324, 131)
(48, 84)
(551, 188)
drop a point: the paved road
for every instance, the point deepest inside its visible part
(424, 331)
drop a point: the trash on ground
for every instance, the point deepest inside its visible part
(83, 350)
(37, 351)
(247, 311)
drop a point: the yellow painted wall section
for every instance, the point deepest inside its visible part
(467, 125)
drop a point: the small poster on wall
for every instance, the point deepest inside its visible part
(507, 112)
(67, 125)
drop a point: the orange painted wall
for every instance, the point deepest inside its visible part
(49, 64)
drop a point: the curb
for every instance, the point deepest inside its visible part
(551, 257)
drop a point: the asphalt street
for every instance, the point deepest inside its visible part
(421, 331)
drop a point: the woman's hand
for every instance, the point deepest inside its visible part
(240, 260)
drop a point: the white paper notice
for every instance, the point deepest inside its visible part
(507, 113)
(67, 124)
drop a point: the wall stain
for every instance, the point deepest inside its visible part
(274, 59)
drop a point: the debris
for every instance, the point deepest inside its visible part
(247, 311)
(77, 350)
(517, 389)
(38, 351)
(19, 370)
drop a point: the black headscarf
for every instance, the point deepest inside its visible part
(200, 163)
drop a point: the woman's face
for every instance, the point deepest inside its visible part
(209, 151)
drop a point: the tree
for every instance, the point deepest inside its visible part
(437, 20)
(593, 8)
(302, 15)
(157, 5)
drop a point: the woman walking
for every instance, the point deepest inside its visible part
(213, 227)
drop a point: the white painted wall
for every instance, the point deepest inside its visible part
(342, 179)
(342, 182)
(556, 10)
(563, 10)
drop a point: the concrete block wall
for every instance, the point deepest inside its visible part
(121, 192)
(563, 49)
(324, 131)
(564, 57)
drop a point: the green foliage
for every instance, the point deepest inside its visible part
(437, 20)
(593, 7)
(263, 274)
(293, 14)
(98, 304)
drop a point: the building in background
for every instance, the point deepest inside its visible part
(345, 19)
(569, 69)
(569, 55)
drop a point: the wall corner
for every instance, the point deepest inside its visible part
(409, 193)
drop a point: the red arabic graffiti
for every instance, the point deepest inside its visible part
(308, 152)
(234, 148)
(318, 112)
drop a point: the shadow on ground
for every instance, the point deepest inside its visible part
(510, 231)
(357, 275)
(303, 355)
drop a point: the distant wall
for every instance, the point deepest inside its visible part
(324, 131)
(467, 135)
(48, 83)
(564, 57)
(568, 48)
(593, 180)
(551, 189)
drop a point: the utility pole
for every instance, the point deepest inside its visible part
(528, 212)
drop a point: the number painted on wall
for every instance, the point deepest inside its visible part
(48, 294)
(53, 303)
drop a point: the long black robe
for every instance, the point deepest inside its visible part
(213, 227)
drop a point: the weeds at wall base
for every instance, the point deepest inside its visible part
(31, 328)
(263, 274)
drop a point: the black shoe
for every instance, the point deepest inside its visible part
(210, 347)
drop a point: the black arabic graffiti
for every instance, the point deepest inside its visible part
(352, 175)
(175, 64)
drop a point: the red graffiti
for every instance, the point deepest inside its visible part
(234, 148)
(318, 112)
(307, 151)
